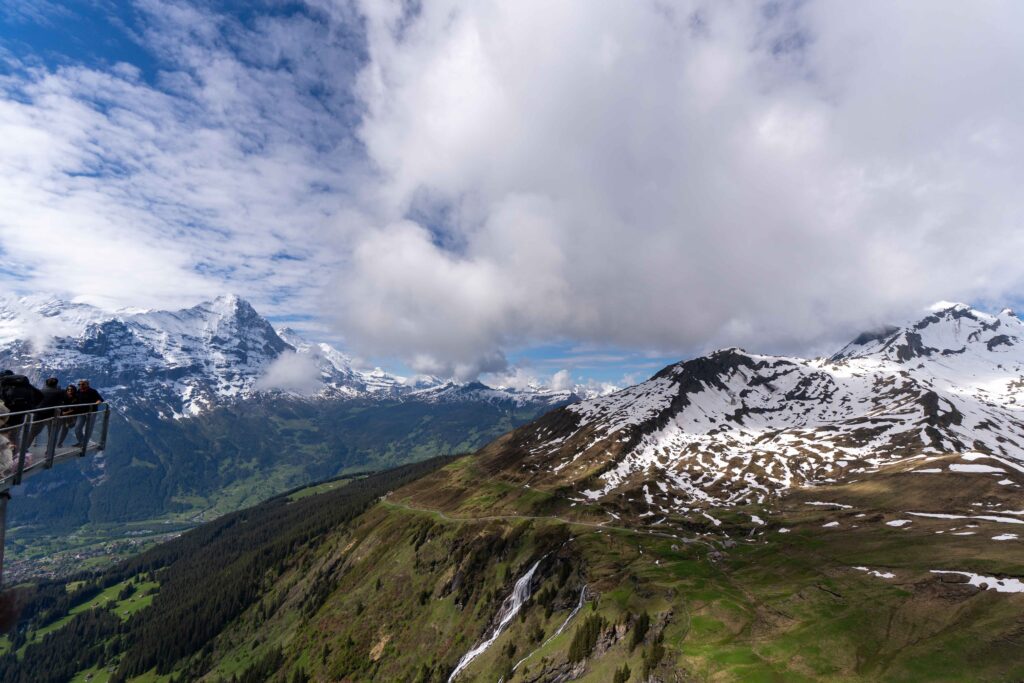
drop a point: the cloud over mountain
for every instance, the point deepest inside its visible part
(291, 372)
(448, 181)
(666, 175)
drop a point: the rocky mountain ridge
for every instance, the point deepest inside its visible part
(182, 363)
(734, 427)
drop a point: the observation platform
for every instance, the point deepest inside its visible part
(30, 456)
(32, 445)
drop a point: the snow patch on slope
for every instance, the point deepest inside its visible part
(735, 427)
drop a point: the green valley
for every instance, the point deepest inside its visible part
(160, 477)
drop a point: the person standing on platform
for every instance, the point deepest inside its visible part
(19, 396)
(46, 414)
(86, 394)
(69, 414)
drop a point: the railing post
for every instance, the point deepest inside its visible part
(4, 497)
(23, 438)
(51, 437)
(106, 427)
(90, 421)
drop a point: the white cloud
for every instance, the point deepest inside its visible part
(561, 380)
(219, 176)
(473, 177)
(672, 176)
(292, 372)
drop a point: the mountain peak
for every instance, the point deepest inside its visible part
(729, 351)
(731, 427)
(949, 330)
(942, 306)
(185, 361)
(954, 311)
(229, 305)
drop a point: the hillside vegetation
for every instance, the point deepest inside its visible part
(341, 586)
(161, 475)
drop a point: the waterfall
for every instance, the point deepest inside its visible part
(579, 606)
(509, 608)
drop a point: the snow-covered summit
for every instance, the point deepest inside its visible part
(39, 318)
(183, 362)
(953, 331)
(733, 426)
(479, 392)
(175, 362)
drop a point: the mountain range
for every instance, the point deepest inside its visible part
(738, 428)
(182, 363)
(216, 409)
(737, 517)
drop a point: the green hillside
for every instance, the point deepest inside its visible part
(341, 586)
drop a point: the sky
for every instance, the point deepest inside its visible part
(570, 191)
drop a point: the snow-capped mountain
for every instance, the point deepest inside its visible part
(177, 362)
(479, 392)
(337, 374)
(181, 363)
(735, 427)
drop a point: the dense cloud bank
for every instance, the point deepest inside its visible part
(449, 180)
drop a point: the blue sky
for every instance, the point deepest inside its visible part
(523, 192)
(56, 34)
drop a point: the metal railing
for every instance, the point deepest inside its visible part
(20, 457)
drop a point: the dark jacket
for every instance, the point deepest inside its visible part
(18, 393)
(89, 395)
(53, 397)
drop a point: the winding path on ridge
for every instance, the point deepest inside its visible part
(570, 522)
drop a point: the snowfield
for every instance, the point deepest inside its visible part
(1007, 585)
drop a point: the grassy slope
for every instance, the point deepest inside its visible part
(775, 607)
(409, 587)
(790, 611)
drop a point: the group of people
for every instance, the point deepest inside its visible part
(58, 408)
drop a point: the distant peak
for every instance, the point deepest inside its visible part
(229, 305)
(943, 306)
(290, 335)
(725, 352)
(228, 301)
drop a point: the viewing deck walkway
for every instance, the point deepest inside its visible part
(26, 452)
(30, 443)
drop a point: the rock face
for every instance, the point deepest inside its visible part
(734, 427)
(183, 363)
